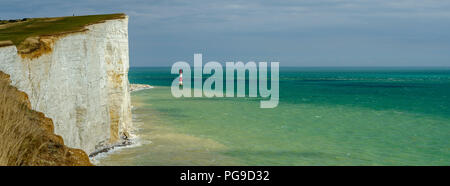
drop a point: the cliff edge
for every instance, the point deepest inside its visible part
(75, 71)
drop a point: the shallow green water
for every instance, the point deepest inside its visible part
(326, 116)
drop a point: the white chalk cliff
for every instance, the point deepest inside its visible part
(82, 84)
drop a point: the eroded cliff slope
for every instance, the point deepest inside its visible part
(27, 137)
(78, 78)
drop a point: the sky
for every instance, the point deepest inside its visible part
(294, 33)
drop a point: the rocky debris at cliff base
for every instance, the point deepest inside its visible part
(123, 143)
(137, 87)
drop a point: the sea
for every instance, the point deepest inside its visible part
(325, 116)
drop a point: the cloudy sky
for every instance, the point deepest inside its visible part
(295, 33)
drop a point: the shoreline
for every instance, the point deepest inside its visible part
(167, 145)
(127, 141)
(124, 143)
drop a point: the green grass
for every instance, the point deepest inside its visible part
(18, 32)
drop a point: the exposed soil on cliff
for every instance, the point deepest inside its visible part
(27, 136)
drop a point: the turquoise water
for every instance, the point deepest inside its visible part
(326, 116)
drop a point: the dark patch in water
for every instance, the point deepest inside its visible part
(171, 112)
(281, 153)
(374, 85)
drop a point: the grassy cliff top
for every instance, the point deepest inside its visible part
(19, 30)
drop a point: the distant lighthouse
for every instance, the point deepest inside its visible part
(181, 78)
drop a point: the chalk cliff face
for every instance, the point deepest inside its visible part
(80, 82)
